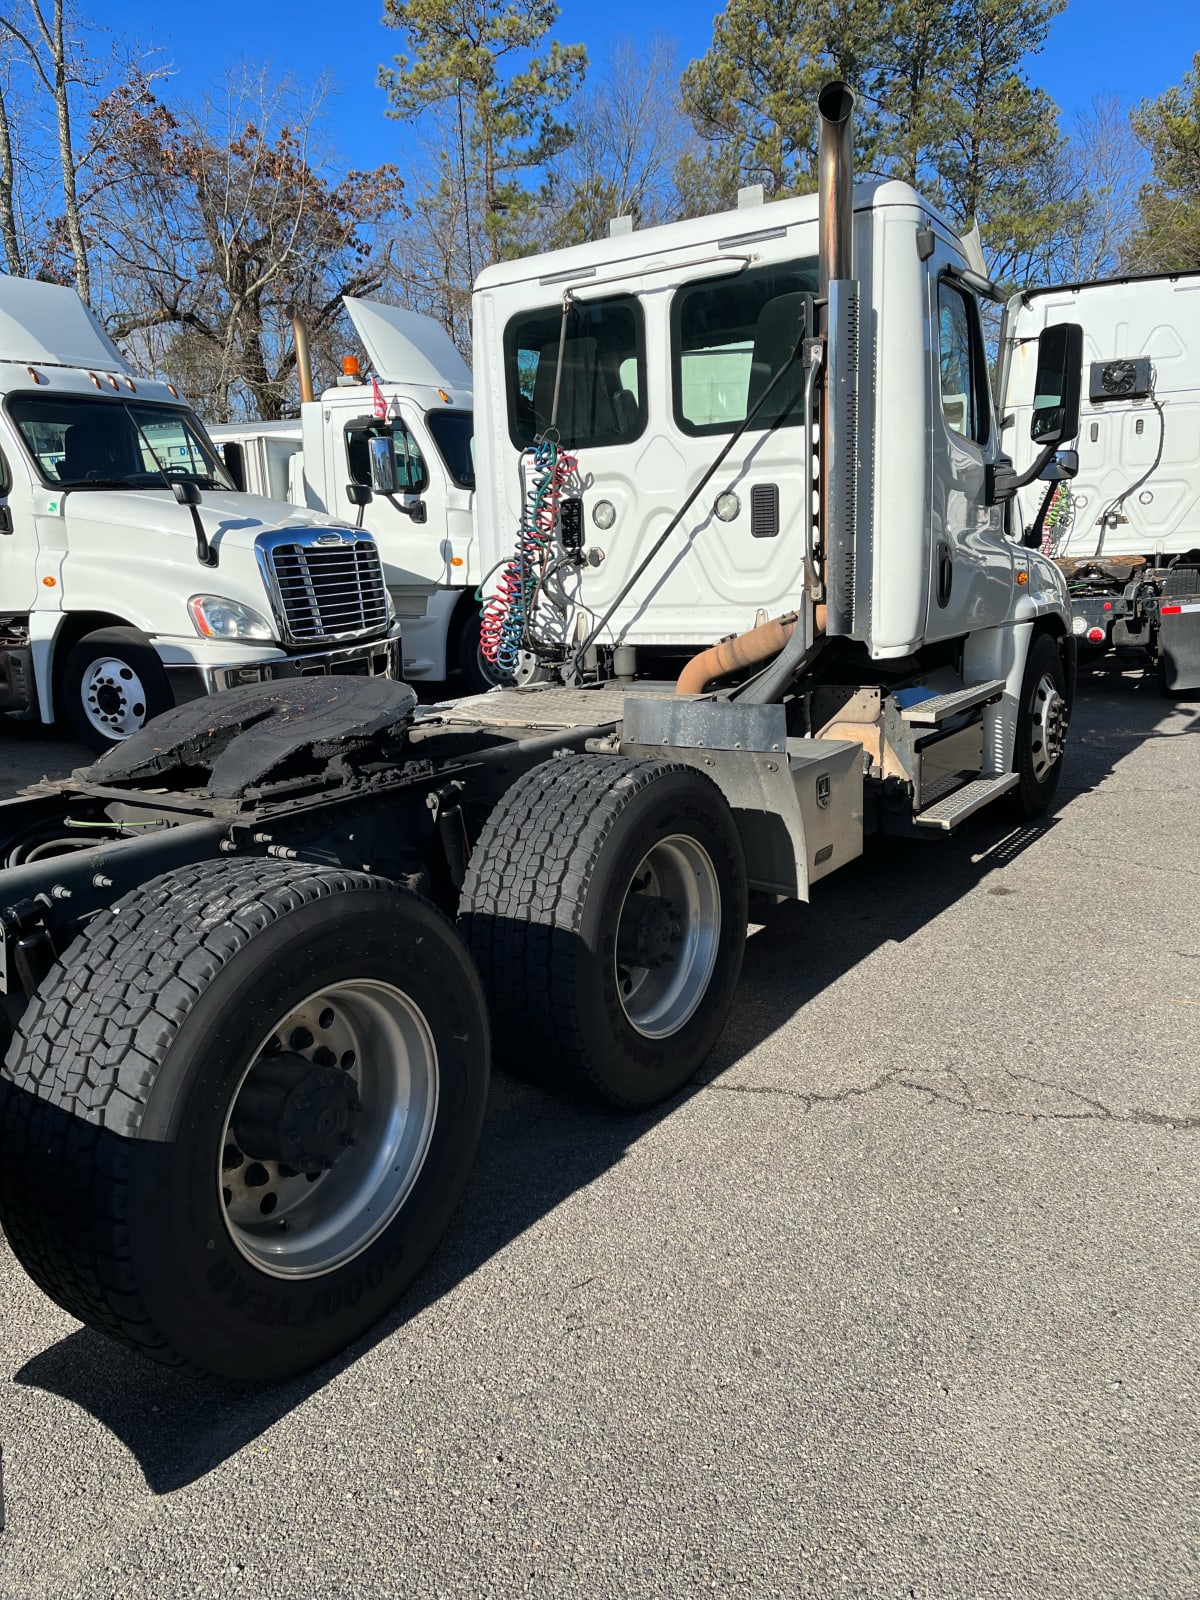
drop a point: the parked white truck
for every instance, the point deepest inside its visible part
(132, 576)
(417, 505)
(252, 1050)
(1126, 531)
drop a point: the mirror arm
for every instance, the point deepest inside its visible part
(205, 554)
(1003, 482)
(1032, 539)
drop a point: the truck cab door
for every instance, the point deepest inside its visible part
(18, 550)
(408, 526)
(971, 556)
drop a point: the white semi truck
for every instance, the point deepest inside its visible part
(132, 576)
(252, 1048)
(417, 506)
(1126, 531)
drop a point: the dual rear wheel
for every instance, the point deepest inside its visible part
(241, 1109)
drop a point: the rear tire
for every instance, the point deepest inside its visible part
(239, 1113)
(605, 902)
(112, 684)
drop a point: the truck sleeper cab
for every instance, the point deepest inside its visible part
(132, 575)
(1125, 530)
(421, 515)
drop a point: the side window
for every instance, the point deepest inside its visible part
(602, 391)
(962, 364)
(729, 337)
(412, 474)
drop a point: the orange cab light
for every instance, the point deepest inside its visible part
(1022, 577)
(456, 561)
(350, 366)
(51, 583)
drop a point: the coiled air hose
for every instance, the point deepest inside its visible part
(509, 611)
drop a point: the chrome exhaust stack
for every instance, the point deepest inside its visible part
(845, 553)
(835, 182)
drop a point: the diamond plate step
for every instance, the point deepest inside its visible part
(956, 807)
(928, 713)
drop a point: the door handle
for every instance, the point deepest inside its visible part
(945, 573)
(6, 524)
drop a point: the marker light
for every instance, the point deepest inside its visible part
(1095, 635)
(604, 514)
(727, 507)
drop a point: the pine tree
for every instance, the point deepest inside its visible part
(478, 65)
(1168, 237)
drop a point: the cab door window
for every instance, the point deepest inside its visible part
(412, 475)
(962, 364)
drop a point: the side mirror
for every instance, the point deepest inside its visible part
(186, 491)
(381, 459)
(1057, 385)
(358, 494)
(1065, 465)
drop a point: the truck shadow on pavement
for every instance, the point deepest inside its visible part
(538, 1149)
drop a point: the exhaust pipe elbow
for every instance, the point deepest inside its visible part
(734, 655)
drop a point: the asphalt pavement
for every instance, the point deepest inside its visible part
(899, 1302)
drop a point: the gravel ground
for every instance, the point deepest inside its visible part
(900, 1301)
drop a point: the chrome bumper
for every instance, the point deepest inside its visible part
(374, 658)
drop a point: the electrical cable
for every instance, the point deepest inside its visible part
(1113, 508)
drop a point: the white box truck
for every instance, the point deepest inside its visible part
(419, 512)
(252, 1050)
(132, 575)
(1126, 531)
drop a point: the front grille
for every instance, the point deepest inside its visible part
(331, 591)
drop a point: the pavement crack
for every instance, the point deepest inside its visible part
(966, 1100)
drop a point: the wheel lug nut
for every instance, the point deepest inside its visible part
(348, 1139)
(324, 1057)
(300, 1038)
(293, 1137)
(356, 1106)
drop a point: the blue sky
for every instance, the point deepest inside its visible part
(1095, 47)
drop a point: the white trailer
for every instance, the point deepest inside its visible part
(1126, 531)
(132, 576)
(250, 1182)
(420, 510)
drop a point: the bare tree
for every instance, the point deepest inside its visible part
(1103, 170)
(248, 225)
(10, 236)
(630, 136)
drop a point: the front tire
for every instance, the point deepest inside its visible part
(1041, 728)
(238, 1115)
(605, 902)
(477, 673)
(113, 683)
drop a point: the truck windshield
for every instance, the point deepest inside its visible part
(77, 442)
(454, 434)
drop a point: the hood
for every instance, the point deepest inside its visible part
(49, 323)
(229, 519)
(405, 347)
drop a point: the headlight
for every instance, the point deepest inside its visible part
(218, 618)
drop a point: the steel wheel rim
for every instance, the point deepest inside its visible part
(659, 999)
(384, 1051)
(113, 698)
(1048, 727)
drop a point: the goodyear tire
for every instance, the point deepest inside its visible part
(239, 1113)
(605, 903)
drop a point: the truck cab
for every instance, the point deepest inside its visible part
(690, 507)
(419, 399)
(133, 575)
(1125, 530)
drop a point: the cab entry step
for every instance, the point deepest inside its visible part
(962, 803)
(928, 713)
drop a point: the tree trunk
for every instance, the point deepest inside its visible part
(66, 152)
(13, 255)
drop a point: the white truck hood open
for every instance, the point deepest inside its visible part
(45, 322)
(406, 347)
